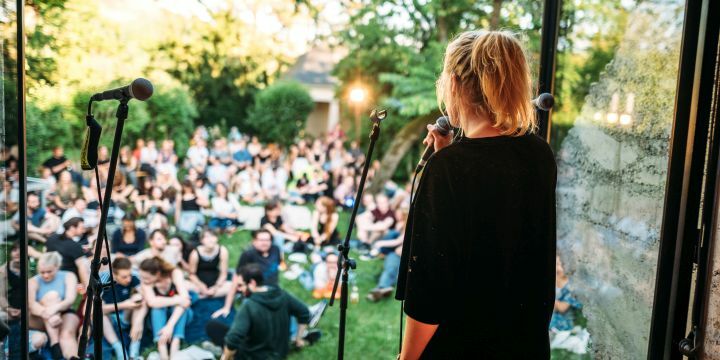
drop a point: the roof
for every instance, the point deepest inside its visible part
(315, 66)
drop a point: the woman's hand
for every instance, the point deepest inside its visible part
(224, 312)
(55, 320)
(165, 334)
(438, 141)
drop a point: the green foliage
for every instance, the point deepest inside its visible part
(280, 112)
(226, 60)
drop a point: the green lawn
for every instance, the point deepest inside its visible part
(372, 328)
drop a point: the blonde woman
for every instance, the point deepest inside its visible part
(480, 283)
(51, 295)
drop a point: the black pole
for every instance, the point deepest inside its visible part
(674, 265)
(548, 49)
(95, 285)
(22, 181)
(347, 263)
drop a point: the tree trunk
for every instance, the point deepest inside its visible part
(495, 17)
(403, 140)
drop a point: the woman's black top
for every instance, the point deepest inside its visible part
(189, 205)
(15, 298)
(482, 238)
(334, 237)
(208, 268)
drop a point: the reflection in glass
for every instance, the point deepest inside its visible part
(10, 301)
(612, 166)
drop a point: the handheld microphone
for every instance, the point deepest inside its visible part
(544, 102)
(442, 125)
(140, 89)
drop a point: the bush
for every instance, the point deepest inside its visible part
(280, 112)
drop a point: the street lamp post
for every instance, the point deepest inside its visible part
(357, 98)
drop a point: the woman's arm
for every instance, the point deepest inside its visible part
(178, 207)
(179, 281)
(333, 223)
(315, 221)
(70, 292)
(176, 314)
(222, 276)
(417, 336)
(154, 301)
(192, 271)
(35, 307)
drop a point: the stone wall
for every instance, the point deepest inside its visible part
(612, 169)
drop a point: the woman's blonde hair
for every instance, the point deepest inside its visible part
(52, 258)
(486, 74)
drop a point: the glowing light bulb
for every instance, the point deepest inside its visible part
(612, 118)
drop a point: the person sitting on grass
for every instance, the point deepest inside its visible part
(325, 221)
(261, 329)
(281, 232)
(262, 252)
(132, 309)
(40, 223)
(164, 290)
(127, 240)
(226, 210)
(51, 295)
(378, 223)
(324, 277)
(209, 267)
(158, 247)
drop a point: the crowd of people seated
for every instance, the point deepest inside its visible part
(168, 212)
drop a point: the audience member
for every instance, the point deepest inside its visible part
(225, 210)
(132, 309)
(128, 240)
(261, 329)
(51, 295)
(324, 277)
(73, 256)
(166, 295)
(208, 267)
(324, 223)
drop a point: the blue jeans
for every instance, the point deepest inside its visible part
(190, 220)
(160, 316)
(222, 224)
(389, 275)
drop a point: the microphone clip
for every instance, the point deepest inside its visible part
(377, 116)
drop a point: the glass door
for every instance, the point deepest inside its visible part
(615, 86)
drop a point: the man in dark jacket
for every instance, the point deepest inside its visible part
(261, 328)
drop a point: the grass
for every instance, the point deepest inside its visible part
(372, 328)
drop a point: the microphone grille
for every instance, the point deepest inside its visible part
(545, 101)
(141, 89)
(442, 125)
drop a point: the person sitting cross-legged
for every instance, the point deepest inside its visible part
(261, 329)
(208, 265)
(132, 308)
(164, 290)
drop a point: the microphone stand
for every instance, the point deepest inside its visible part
(93, 302)
(346, 262)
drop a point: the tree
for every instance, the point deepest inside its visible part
(280, 112)
(408, 55)
(225, 60)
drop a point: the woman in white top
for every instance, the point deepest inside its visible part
(225, 209)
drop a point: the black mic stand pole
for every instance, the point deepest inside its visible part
(344, 248)
(93, 302)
